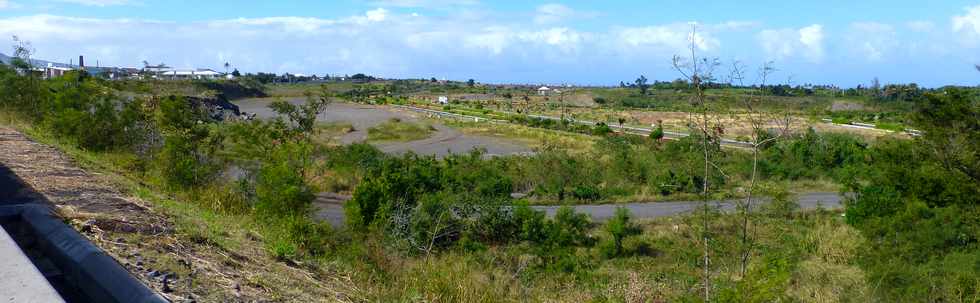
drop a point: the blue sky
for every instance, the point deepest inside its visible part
(577, 42)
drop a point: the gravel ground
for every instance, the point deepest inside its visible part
(444, 141)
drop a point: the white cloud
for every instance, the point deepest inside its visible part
(785, 43)
(871, 40)
(557, 13)
(735, 25)
(377, 15)
(6, 4)
(564, 39)
(494, 39)
(920, 26)
(97, 2)
(552, 13)
(672, 38)
(968, 25)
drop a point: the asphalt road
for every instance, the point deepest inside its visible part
(329, 207)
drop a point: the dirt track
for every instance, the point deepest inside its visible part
(444, 141)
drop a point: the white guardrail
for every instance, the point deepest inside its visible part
(859, 125)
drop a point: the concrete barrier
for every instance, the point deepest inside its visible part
(87, 273)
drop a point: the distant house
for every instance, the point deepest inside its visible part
(129, 72)
(156, 69)
(442, 100)
(544, 91)
(52, 71)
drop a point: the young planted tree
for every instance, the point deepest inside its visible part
(698, 71)
(658, 133)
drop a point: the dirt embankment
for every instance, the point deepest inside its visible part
(171, 254)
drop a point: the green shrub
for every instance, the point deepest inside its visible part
(280, 188)
(586, 193)
(568, 228)
(183, 162)
(397, 183)
(431, 225)
(530, 223)
(657, 133)
(619, 227)
(601, 129)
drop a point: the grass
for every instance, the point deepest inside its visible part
(400, 131)
(330, 132)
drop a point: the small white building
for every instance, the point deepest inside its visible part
(544, 91)
(442, 100)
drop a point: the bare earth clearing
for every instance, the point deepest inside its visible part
(444, 141)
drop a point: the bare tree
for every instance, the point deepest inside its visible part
(22, 62)
(698, 70)
(765, 129)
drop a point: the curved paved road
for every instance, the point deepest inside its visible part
(329, 207)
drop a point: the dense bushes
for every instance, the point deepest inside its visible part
(812, 155)
(917, 203)
(427, 204)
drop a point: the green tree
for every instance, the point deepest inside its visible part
(641, 83)
(619, 227)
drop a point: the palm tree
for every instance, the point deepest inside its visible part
(226, 67)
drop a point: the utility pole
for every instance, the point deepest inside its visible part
(561, 99)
